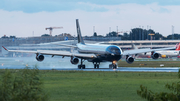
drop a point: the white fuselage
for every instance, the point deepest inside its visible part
(172, 53)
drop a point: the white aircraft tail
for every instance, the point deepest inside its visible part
(133, 46)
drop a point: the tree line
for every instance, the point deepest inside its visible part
(141, 34)
(135, 34)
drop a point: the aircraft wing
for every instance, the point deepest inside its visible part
(59, 44)
(67, 45)
(137, 51)
(51, 52)
(64, 53)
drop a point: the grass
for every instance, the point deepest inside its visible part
(102, 86)
(106, 86)
(149, 64)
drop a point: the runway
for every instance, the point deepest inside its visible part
(128, 69)
(57, 63)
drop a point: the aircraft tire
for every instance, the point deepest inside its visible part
(83, 66)
(79, 66)
(114, 66)
(110, 66)
(94, 66)
(97, 66)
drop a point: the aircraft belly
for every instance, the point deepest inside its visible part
(92, 51)
(105, 58)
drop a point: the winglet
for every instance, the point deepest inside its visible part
(4, 48)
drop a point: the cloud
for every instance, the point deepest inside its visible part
(34, 6)
(125, 16)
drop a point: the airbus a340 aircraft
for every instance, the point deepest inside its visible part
(93, 53)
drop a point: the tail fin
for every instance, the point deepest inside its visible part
(80, 39)
(178, 47)
(133, 46)
(5, 48)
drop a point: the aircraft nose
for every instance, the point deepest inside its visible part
(114, 50)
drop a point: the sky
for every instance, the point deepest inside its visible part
(28, 18)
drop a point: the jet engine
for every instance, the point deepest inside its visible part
(40, 57)
(74, 60)
(129, 59)
(154, 55)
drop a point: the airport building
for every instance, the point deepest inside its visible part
(145, 43)
(32, 43)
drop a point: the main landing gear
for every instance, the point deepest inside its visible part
(81, 66)
(113, 65)
(96, 65)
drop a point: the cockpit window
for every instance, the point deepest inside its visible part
(114, 50)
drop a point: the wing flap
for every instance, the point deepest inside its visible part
(64, 53)
(22, 51)
(59, 44)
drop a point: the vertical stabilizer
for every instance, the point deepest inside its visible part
(178, 47)
(80, 39)
(133, 46)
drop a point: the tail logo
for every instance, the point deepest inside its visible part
(178, 47)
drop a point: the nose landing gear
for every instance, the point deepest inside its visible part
(113, 65)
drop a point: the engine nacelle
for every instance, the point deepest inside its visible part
(74, 61)
(155, 55)
(40, 57)
(129, 59)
